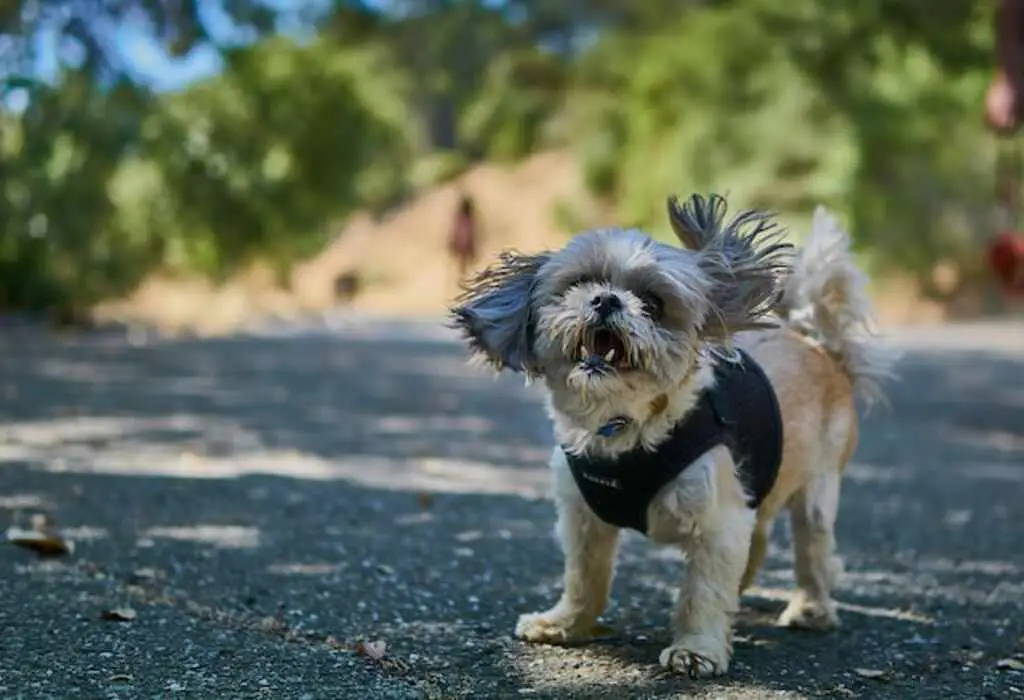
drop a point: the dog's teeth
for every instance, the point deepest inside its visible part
(584, 353)
(610, 356)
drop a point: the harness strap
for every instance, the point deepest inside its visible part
(740, 411)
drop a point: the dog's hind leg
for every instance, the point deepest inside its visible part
(813, 512)
(758, 549)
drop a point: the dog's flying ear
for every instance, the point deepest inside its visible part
(746, 258)
(495, 314)
(698, 221)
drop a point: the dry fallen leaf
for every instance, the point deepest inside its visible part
(124, 614)
(43, 543)
(872, 673)
(1010, 665)
(375, 650)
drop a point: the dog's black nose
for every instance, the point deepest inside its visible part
(606, 304)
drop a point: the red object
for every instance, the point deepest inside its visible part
(1006, 258)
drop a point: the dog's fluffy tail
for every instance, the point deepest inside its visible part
(826, 299)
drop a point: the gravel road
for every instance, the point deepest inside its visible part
(261, 505)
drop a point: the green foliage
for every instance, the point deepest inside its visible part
(674, 121)
(437, 167)
(55, 161)
(520, 95)
(103, 187)
(447, 46)
(872, 108)
(255, 162)
(923, 190)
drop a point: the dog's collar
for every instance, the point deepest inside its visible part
(617, 424)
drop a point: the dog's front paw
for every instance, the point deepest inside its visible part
(695, 660)
(549, 628)
(806, 614)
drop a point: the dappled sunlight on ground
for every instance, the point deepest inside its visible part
(996, 440)
(224, 416)
(21, 501)
(782, 596)
(220, 536)
(322, 489)
(304, 569)
(870, 473)
(413, 474)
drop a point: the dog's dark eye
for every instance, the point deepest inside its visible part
(653, 305)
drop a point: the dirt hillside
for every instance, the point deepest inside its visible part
(404, 259)
(401, 261)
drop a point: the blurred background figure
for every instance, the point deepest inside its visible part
(1003, 102)
(463, 244)
(1003, 99)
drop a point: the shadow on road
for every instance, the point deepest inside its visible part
(328, 489)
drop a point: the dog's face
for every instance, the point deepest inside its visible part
(615, 310)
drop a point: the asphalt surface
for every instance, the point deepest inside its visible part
(264, 503)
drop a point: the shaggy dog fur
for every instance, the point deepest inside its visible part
(804, 316)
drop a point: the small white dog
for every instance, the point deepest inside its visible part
(695, 393)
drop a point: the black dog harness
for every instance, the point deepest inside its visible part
(740, 411)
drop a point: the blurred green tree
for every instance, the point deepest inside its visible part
(870, 107)
(873, 108)
(255, 163)
(103, 181)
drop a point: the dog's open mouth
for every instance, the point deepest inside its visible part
(603, 349)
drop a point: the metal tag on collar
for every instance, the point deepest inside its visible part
(613, 427)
